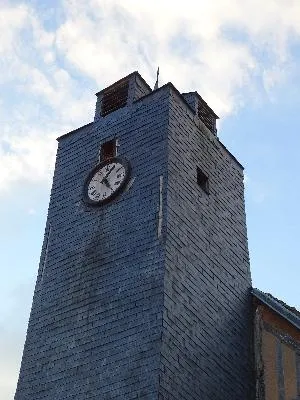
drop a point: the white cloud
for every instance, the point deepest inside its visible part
(28, 158)
(12, 20)
(218, 48)
(122, 36)
(40, 100)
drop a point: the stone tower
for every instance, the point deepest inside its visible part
(143, 284)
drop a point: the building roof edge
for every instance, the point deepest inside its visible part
(278, 306)
(74, 130)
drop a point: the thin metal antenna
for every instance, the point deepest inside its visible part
(156, 83)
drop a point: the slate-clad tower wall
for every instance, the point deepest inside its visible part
(147, 296)
(95, 325)
(207, 311)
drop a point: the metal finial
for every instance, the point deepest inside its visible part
(156, 83)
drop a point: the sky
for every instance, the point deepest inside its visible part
(241, 56)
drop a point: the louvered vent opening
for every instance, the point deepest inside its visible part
(207, 116)
(114, 98)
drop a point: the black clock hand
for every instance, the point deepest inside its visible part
(105, 178)
(106, 183)
(109, 172)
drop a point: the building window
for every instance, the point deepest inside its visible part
(202, 180)
(108, 150)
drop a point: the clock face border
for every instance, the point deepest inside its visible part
(120, 160)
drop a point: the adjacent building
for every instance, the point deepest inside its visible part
(277, 348)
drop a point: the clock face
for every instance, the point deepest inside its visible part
(106, 180)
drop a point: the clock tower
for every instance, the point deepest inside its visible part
(143, 288)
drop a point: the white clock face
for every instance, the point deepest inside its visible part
(106, 181)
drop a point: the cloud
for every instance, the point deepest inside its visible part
(123, 36)
(13, 19)
(29, 158)
(230, 51)
(39, 100)
(215, 47)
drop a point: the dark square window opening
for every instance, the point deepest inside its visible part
(202, 180)
(108, 150)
